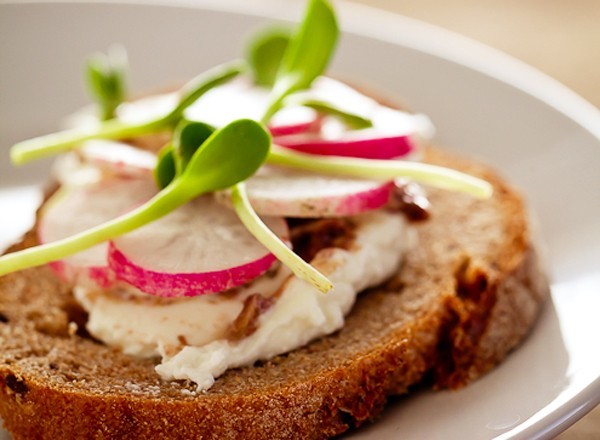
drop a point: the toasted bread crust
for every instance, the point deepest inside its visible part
(460, 303)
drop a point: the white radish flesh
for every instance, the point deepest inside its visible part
(294, 120)
(75, 209)
(237, 99)
(292, 193)
(201, 247)
(118, 158)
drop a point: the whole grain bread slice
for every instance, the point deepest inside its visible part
(462, 300)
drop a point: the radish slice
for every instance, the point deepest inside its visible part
(394, 134)
(69, 170)
(240, 99)
(74, 209)
(237, 99)
(293, 193)
(294, 120)
(118, 158)
(199, 248)
(342, 95)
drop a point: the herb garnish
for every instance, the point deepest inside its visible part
(352, 120)
(201, 159)
(106, 77)
(307, 54)
(228, 156)
(265, 53)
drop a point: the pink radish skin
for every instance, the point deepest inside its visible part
(73, 210)
(200, 248)
(97, 276)
(367, 148)
(295, 120)
(185, 284)
(394, 134)
(295, 128)
(275, 191)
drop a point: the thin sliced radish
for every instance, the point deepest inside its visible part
(118, 158)
(69, 170)
(201, 247)
(293, 193)
(236, 99)
(74, 209)
(394, 134)
(239, 99)
(295, 120)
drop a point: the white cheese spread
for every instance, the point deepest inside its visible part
(190, 333)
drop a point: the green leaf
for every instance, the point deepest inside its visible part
(228, 156)
(106, 79)
(310, 49)
(187, 138)
(265, 53)
(165, 169)
(307, 54)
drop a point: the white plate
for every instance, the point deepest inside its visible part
(542, 136)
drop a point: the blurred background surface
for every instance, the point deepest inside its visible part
(558, 37)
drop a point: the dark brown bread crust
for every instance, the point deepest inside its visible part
(461, 302)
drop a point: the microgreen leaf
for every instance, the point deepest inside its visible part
(165, 169)
(54, 143)
(262, 233)
(187, 138)
(383, 169)
(265, 53)
(213, 162)
(106, 80)
(228, 156)
(353, 120)
(307, 55)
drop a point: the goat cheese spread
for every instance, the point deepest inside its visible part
(190, 333)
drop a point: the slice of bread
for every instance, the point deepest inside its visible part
(462, 300)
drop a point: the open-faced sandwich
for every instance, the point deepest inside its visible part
(195, 269)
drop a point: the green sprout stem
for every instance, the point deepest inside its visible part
(204, 82)
(273, 107)
(272, 242)
(51, 144)
(55, 143)
(353, 120)
(382, 170)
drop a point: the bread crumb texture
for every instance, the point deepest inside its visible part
(462, 300)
